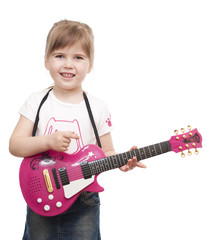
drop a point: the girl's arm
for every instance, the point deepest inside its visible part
(22, 144)
(108, 148)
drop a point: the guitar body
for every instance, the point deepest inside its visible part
(52, 181)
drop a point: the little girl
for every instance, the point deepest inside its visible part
(64, 126)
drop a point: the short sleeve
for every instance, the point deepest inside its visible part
(30, 106)
(105, 123)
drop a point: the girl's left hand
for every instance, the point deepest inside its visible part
(132, 163)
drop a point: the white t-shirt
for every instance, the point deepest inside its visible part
(59, 116)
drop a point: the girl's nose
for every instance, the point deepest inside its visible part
(69, 64)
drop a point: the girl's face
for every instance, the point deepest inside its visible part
(68, 67)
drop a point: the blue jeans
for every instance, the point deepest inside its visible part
(80, 222)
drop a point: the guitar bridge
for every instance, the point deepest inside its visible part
(48, 181)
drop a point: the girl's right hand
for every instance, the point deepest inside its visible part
(60, 140)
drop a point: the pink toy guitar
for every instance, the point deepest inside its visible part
(52, 181)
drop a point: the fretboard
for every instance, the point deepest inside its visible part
(119, 160)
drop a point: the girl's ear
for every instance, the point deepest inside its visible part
(90, 68)
(46, 63)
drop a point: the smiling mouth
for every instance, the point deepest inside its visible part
(68, 75)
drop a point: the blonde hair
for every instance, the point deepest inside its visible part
(66, 33)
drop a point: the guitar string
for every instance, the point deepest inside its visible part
(76, 173)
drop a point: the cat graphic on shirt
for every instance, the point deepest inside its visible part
(54, 125)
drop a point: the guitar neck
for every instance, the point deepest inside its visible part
(119, 160)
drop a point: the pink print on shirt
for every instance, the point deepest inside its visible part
(54, 125)
(108, 121)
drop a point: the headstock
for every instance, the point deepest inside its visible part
(186, 141)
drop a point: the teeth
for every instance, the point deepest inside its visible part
(67, 74)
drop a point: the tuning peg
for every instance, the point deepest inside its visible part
(189, 153)
(196, 151)
(189, 127)
(182, 154)
(176, 132)
(182, 130)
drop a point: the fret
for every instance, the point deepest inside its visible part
(142, 153)
(163, 147)
(107, 166)
(125, 158)
(157, 148)
(128, 155)
(133, 153)
(111, 162)
(120, 160)
(115, 161)
(92, 168)
(147, 152)
(97, 167)
(152, 150)
(160, 148)
(101, 165)
(138, 154)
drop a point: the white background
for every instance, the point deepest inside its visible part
(150, 59)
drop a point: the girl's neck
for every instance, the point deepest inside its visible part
(73, 96)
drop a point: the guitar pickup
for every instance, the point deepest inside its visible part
(63, 176)
(54, 171)
(86, 170)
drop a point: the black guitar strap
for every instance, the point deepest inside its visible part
(88, 109)
(37, 115)
(92, 119)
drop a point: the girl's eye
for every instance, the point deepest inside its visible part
(59, 56)
(78, 58)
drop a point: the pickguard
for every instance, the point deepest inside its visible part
(76, 186)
